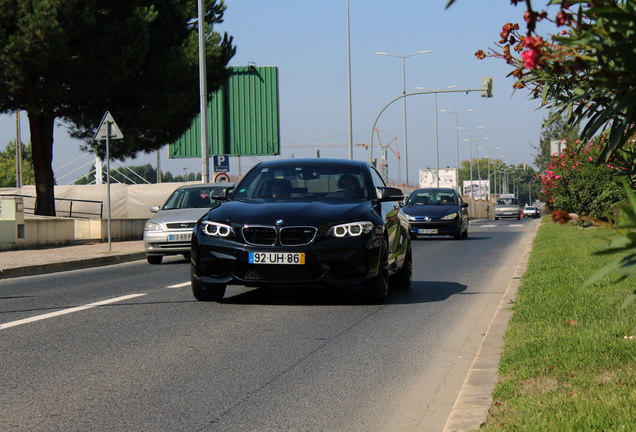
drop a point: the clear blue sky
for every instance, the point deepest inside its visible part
(307, 40)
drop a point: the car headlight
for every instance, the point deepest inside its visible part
(215, 229)
(352, 229)
(450, 216)
(409, 217)
(152, 226)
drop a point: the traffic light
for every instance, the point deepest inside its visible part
(486, 87)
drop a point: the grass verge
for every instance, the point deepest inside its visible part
(569, 357)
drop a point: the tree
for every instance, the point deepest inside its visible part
(8, 166)
(557, 130)
(76, 59)
(584, 73)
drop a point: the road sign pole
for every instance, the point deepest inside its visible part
(108, 129)
(108, 125)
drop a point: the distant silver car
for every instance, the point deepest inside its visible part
(169, 232)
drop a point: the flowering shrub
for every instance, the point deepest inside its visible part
(575, 183)
(584, 70)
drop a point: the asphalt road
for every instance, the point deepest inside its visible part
(149, 357)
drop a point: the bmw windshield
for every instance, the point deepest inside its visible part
(304, 181)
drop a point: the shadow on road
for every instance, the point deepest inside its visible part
(420, 292)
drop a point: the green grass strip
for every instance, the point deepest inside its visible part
(568, 362)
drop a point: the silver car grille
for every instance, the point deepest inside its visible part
(181, 225)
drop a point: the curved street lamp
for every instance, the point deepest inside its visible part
(404, 57)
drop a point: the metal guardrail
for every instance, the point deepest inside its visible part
(63, 210)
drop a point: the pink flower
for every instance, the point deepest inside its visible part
(530, 58)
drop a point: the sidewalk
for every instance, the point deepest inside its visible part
(28, 262)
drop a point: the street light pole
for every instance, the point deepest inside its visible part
(349, 85)
(478, 162)
(470, 144)
(488, 150)
(404, 57)
(457, 113)
(436, 135)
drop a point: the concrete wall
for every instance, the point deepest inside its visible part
(42, 231)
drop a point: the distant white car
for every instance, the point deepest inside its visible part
(530, 211)
(169, 232)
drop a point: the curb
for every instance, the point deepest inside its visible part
(475, 398)
(35, 270)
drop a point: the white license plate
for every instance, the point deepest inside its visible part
(426, 231)
(179, 237)
(277, 258)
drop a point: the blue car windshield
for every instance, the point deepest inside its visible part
(432, 198)
(303, 181)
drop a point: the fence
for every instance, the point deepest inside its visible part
(89, 209)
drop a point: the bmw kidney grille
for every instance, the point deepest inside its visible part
(286, 236)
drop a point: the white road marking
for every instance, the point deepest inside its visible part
(181, 285)
(68, 311)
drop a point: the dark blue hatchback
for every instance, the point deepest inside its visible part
(437, 212)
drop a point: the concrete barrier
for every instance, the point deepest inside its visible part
(42, 231)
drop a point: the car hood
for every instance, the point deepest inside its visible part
(430, 210)
(297, 213)
(179, 215)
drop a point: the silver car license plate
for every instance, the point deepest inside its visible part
(277, 258)
(179, 237)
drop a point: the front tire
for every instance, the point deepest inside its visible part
(403, 278)
(204, 291)
(154, 259)
(378, 287)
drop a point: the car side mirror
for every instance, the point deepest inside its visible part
(221, 194)
(154, 209)
(465, 205)
(389, 194)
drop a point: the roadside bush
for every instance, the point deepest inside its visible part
(575, 183)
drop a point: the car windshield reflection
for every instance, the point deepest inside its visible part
(431, 198)
(304, 181)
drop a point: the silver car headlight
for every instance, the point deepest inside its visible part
(152, 226)
(450, 216)
(409, 217)
(352, 229)
(215, 229)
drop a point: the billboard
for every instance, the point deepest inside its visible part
(243, 117)
(478, 189)
(447, 179)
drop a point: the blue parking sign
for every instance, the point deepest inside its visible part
(221, 163)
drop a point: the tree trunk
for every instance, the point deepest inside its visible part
(41, 127)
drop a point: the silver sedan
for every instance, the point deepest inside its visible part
(169, 231)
